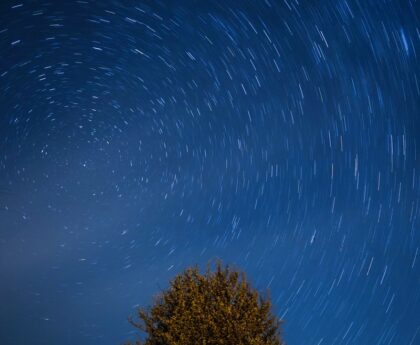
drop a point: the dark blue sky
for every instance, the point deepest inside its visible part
(140, 137)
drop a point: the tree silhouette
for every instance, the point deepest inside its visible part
(216, 308)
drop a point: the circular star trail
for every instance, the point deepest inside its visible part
(138, 138)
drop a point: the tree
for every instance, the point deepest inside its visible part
(216, 308)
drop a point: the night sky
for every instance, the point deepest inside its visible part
(138, 138)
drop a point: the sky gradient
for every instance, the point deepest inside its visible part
(138, 138)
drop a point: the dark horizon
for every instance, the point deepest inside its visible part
(139, 138)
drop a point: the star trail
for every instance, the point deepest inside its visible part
(138, 138)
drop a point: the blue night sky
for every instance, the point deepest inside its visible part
(138, 138)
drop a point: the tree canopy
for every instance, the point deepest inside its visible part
(214, 308)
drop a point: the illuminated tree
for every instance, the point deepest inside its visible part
(216, 308)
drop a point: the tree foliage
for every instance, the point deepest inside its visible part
(214, 308)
